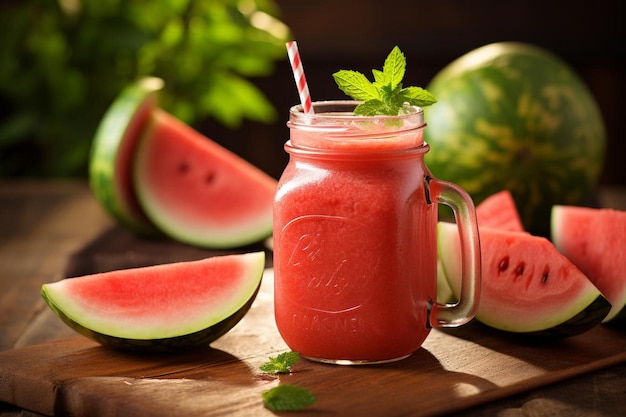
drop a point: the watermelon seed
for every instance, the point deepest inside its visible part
(519, 270)
(209, 177)
(544, 278)
(504, 264)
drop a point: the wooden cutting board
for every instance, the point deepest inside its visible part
(454, 370)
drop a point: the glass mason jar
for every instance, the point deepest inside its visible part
(355, 237)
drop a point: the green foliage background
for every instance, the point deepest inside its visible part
(63, 62)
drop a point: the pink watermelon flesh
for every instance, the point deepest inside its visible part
(199, 192)
(499, 211)
(123, 162)
(527, 285)
(595, 241)
(157, 302)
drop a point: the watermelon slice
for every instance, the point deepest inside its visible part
(198, 192)
(160, 308)
(595, 241)
(113, 151)
(527, 285)
(499, 211)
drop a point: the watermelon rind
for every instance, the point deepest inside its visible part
(198, 192)
(618, 320)
(585, 320)
(195, 324)
(567, 309)
(112, 153)
(511, 115)
(174, 344)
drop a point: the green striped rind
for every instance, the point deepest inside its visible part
(109, 176)
(166, 345)
(513, 116)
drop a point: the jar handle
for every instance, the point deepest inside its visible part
(456, 314)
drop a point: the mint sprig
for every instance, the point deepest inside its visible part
(281, 364)
(384, 96)
(288, 397)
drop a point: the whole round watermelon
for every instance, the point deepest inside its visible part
(514, 116)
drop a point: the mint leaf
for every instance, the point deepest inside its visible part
(417, 95)
(281, 364)
(380, 78)
(287, 397)
(384, 96)
(394, 66)
(356, 85)
(369, 108)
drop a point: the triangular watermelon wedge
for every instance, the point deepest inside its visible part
(595, 241)
(198, 192)
(160, 308)
(527, 285)
(500, 212)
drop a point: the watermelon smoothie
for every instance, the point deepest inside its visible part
(355, 252)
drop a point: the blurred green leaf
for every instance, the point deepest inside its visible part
(63, 62)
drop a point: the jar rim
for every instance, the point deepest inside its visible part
(334, 120)
(351, 153)
(343, 110)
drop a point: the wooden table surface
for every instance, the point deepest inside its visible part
(48, 230)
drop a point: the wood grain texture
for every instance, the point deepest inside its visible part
(41, 225)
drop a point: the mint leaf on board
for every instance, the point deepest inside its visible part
(287, 397)
(281, 364)
(384, 96)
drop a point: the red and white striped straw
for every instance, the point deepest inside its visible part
(298, 75)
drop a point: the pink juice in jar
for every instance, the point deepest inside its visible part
(354, 238)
